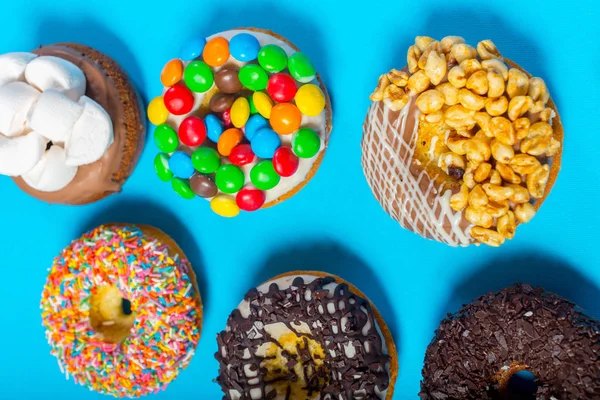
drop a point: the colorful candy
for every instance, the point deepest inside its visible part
(253, 77)
(221, 102)
(244, 47)
(216, 52)
(206, 160)
(272, 58)
(224, 205)
(198, 76)
(250, 199)
(254, 124)
(192, 131)
(240, 111)
(192, 48)
(253, 109)
(310, 100)
(282, 87)
(157, 111)
(171, 72)
(203, 186)
(214, 127)
(285, 161)
(228, 140)
(263, 104)
(226, 118)
(264, 176)
(241, 155)
(228, 81)
(301, 68)
(161, 166)
(182, 188)
(179, 100)
(181, 165)
(229, 178)
(306, 143)
(165, 138)
(265, 142)
(285, 118)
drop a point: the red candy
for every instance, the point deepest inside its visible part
(179, 99)
(250, 199)
(282, 87)
(285, 161)
(192, 131)
(241, 154)
(226, 118)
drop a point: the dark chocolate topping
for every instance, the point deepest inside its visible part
(523, 325)
(337, 376)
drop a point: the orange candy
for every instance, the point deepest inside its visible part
(285, 118)
(228, 140)
(216, 52)
(172, 72)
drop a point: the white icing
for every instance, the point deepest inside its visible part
(318, 123)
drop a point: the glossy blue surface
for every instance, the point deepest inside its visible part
(335, 223)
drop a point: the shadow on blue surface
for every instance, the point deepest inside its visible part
(149, 213)
(334, 259)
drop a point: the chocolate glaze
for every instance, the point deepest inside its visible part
(94, 180)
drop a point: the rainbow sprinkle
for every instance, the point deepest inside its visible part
(165, 333)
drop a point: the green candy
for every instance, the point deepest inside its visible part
(206, 160)
(253, 109)
(165, 138)
(161, 166)
(198, 76)
(306, 143)
(253, 77)
(272, 58)
(264, 176)
(301, 68)
(182, 188)
(229, 178)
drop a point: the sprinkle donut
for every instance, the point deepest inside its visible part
(122, 310)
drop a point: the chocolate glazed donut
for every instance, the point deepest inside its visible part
(476, 352)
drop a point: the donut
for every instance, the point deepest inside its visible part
(243, 120)
(71, 127)
(478, 352)
(461, 145)
(122, 310)
(306, 335)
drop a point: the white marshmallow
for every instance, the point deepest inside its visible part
(19, 155)
(51, 174)
(54, 116)
(47, 72)
(16, 101)
(91, 136)
(12, 67)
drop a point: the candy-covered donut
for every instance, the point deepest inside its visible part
(306, 335)
(71, 129)
(476, 351)
(122, 310)
(243, 121)
(461, 145)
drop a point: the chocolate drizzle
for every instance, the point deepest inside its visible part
(337, 321)
(523, 325)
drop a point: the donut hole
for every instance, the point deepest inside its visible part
(111, 314)
(522, 385)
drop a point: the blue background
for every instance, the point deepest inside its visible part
(334, 224)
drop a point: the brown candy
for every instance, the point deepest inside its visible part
(227, 81)
(221, 102)
(203, 186)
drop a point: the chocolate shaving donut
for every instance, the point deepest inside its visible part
(476, 351)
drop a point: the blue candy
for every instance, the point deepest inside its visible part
(265, 142)
(214, 128)
(181, 165)
(244, 47)
(192, 49)
(254, 124)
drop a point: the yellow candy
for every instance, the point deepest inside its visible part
(263, 104)
(240, 112)
(157, 111)
(310, 100)
(224, 205)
